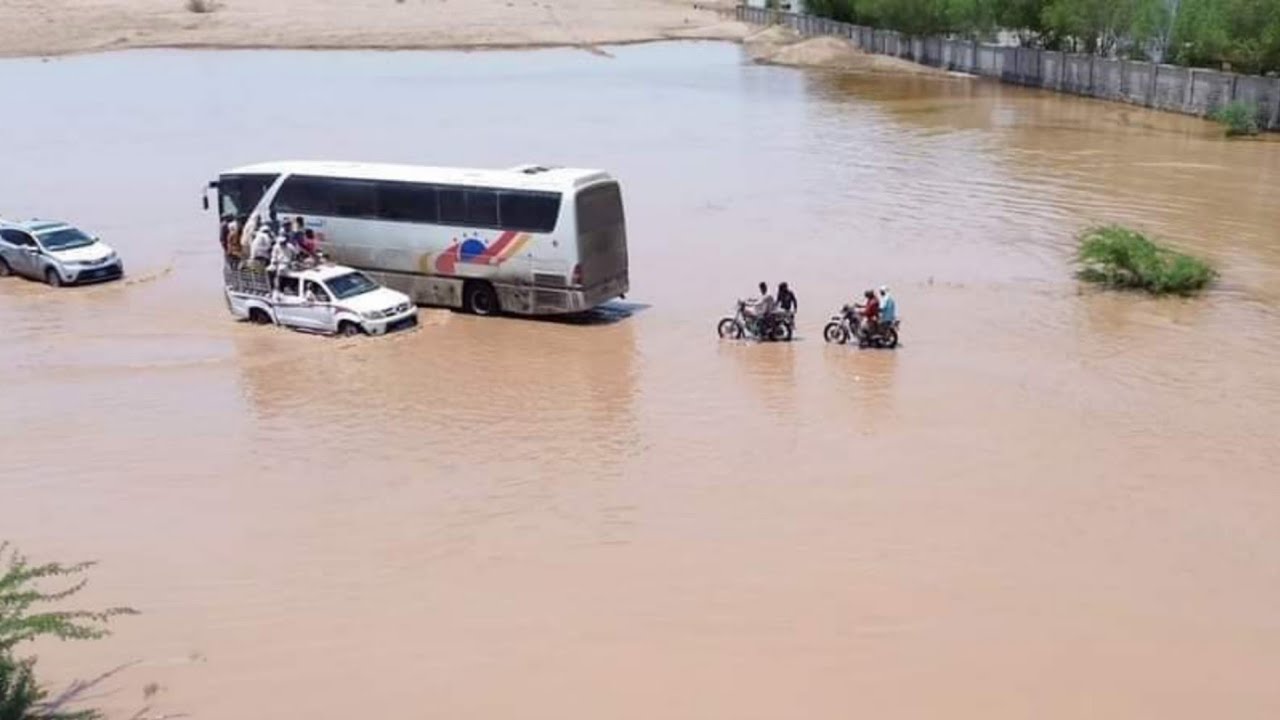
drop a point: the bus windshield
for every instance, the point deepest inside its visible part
(350, 285)
(238, 195)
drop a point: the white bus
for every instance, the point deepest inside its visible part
(530, 240)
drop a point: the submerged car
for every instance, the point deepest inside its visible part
(326, 298)
(56, 253)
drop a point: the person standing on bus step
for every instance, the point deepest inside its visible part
(224, 228)
(787, 300)
(247, 234)
(231, 244)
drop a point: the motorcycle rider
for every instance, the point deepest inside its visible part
(870, 313)
(787, 300)
(758, 309)
(888, 307)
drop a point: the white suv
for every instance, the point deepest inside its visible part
(56, 253)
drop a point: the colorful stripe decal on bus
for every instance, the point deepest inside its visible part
(474, 251)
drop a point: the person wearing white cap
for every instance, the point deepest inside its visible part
(888, 307)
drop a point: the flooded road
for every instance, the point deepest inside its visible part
(1050, 502)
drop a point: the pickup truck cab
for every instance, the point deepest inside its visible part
(56, 253)
(325, 298)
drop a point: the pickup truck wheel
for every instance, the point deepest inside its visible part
(52, 277)
(258, 316)
(479, 298)
(349, 329)
(5, 270)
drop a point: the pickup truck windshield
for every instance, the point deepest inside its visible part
(350, 285)
(65, 239)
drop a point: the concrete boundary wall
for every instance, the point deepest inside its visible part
(1191, 91)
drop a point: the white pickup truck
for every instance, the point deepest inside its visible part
(326, 298)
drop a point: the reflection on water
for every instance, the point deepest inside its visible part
(1046, 488)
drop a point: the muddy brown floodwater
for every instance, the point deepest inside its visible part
(1050, 502)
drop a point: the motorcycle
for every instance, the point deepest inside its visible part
(777, 326)
(847, 326)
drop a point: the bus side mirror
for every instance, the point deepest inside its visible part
(213, 185)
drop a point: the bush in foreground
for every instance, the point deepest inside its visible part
(1241, 118)
(1122, 258)
(23, 618)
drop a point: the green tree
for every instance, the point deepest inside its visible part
(24, 617)
(1106, 26)
(841, 10)
(1243, 33)
(973, 18)
(912, 17)
(1024, 17)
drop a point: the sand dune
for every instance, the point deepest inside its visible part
(781, 46)
(53, 27)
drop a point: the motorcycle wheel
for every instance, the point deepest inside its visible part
(781, 332)
(729, 329)
(834, 333)
(890, 339)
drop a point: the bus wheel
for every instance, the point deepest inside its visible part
(479, 298)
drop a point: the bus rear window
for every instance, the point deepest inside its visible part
(599, 208)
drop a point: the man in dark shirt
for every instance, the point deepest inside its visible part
(787, 299)
(870, 312)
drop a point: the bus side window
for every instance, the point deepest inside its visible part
(305, 195)
(482, 208)
(453, 206)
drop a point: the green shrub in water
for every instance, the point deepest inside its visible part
(1122, 258)
(25, 616)
(1241, 118)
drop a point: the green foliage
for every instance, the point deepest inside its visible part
(1122, 258)
(1241, 118)
(1107, 26)
(22, 698)
(1244, 34)
(21, 618)
(1025, 17)
(1204, 33)
(19, 694)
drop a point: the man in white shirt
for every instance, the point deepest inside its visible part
(759, 309)
(260, 250)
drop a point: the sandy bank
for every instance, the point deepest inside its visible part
(54, 27)
(782, 46)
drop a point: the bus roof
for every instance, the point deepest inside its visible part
(524, 177)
